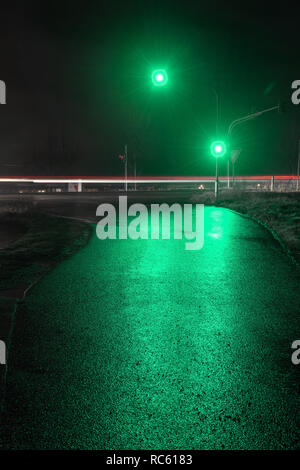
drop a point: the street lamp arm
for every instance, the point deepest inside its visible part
(241, 120)
(249, 117)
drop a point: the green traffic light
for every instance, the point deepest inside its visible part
(218, 148)
(159, 77)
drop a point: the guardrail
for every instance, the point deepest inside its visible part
(132, 179)
(75, 183)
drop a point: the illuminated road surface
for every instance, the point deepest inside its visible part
(144, 345)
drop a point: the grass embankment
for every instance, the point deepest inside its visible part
(280, 212)
(46, 240)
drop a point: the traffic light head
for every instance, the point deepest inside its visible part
(159, 77)
(218, 148)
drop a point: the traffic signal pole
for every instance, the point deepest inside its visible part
(217, 149)
(217, 181)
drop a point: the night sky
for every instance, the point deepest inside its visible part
(78, 77)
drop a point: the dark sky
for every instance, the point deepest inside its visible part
(78, 77)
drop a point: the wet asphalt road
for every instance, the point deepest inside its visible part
(145, 345)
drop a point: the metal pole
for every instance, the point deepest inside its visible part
(217, 108)
(297, 188)
(228, 173)
(125, 167)
(241, 120)
(217, 181)
(135, 172)
(217, 131)
(218, 112)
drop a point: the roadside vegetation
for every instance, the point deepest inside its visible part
(46, 241)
